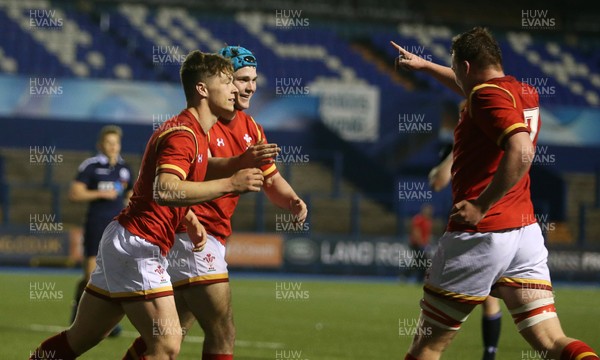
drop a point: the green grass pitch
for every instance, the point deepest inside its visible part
(288, 318)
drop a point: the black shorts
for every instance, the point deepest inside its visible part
(92, 234)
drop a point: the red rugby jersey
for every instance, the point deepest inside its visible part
(178, 147)
(495, 110)
(229, 139)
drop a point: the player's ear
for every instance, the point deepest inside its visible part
(201, 89)
(467, 66)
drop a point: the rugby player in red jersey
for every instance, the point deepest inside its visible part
(491, 320)
(201, 285)
(131, 272)
(492, 244)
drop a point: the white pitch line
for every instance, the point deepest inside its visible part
(189, 338)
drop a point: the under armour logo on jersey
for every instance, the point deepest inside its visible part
(200, 158)
(220, 142)
(247, 138)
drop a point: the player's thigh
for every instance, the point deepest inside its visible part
(536, 307)
(491, 306)
(186, 316)
(210, 304)
(155, 319)
(439, 323)
(95, 319)
(200, 280)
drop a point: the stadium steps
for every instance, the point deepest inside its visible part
(592, 230)
(30, 192)
(331, 213)
(370, 54)
(560, 234)
(376, 219)
(579, 188)
(27, 194)
(328, 213)
(19, 167)
(313, 177)
(27, 202)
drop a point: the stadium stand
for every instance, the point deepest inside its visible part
(109, 41)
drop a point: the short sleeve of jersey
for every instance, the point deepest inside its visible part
(175, 153)
(268, 170)
(85, 173)
(496, 114)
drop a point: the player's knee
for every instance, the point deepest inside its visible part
(170, 346)
(83, 337)
(173, 351)
(437, 312)
(230, 332)
(219, 330)
(168, 342)
(533, 313)
(224, 328)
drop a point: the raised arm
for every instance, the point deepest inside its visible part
(443, 74)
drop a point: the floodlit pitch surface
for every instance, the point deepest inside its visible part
(289, 318)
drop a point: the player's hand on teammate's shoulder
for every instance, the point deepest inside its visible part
(299, 209)
(247, 180)
(408, 60)
(258, 155)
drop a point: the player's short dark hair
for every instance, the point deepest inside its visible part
(478, 47)
(199, 66)
(109, 129)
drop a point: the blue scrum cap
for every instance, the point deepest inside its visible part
(239, 56)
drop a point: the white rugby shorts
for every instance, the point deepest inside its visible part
(467, 265)
(188, 268)
(128, 267)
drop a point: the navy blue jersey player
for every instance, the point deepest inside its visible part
(105, 182)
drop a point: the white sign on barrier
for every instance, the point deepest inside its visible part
(351, 110)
